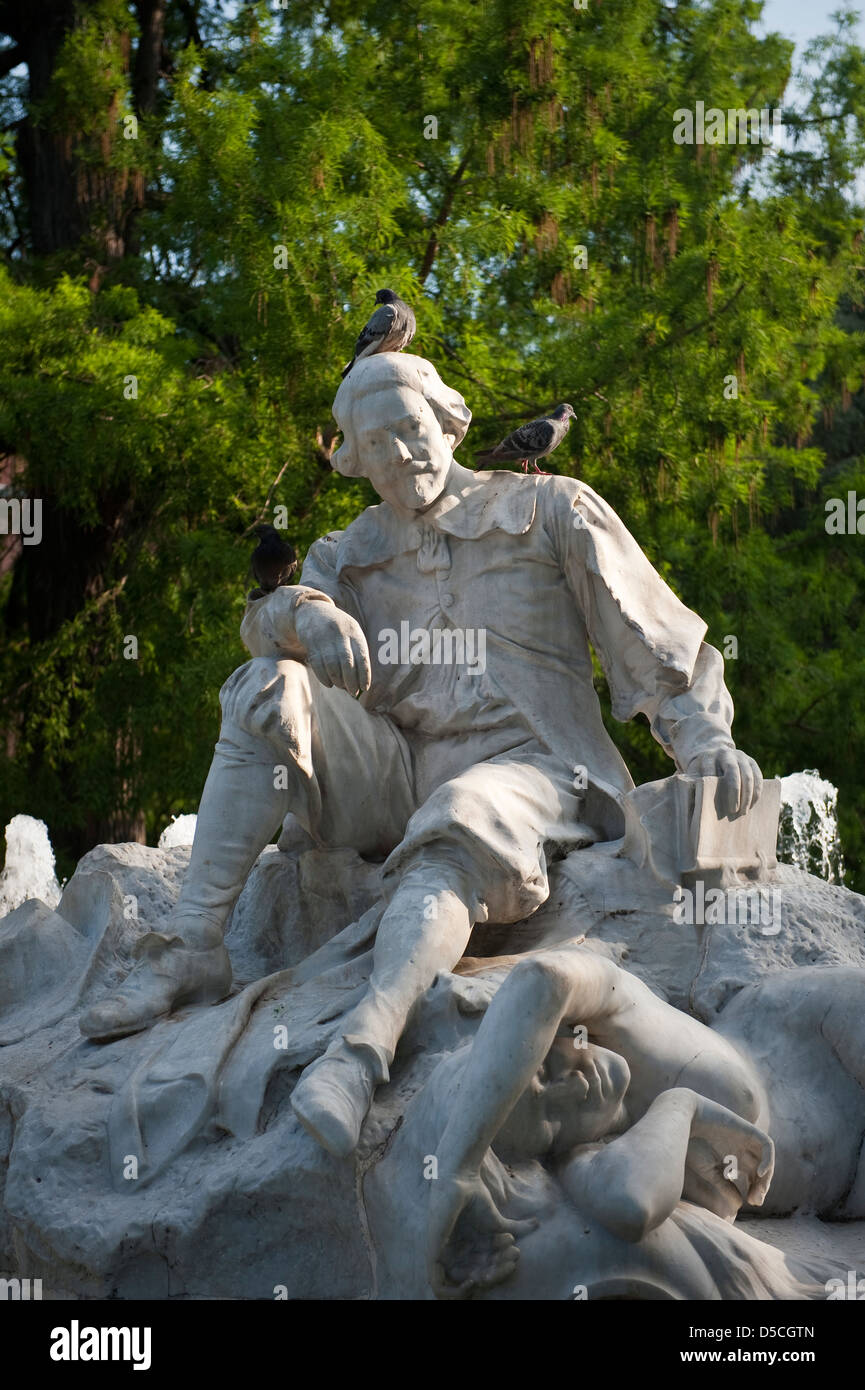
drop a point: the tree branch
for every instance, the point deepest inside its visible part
(704, 323)
(476, 381)
(270, 491)
(444, 213)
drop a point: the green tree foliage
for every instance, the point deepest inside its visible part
(511, 169)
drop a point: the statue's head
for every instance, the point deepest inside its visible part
(400, 426)
(563, 1108)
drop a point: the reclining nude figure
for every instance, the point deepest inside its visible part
(617, 1137)
(424, 695)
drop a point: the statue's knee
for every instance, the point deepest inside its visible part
(545, 981)
(267, 698)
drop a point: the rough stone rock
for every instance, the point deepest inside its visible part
(232, 1199)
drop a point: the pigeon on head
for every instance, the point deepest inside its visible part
(532, 441)
(390, 328)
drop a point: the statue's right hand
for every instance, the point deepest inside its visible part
(336, 649)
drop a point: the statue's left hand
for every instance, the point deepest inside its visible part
(740, 780)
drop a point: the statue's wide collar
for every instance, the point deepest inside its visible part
(474, 505)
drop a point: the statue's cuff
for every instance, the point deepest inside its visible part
(696, 736)
(268, 625)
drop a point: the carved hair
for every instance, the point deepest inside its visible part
(383, 372)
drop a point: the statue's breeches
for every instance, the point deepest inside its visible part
(355, 778)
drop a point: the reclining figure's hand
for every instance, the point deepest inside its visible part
(336, 649)
(729, 1160)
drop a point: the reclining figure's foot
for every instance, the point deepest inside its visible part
(333, 1095)
(168, 974)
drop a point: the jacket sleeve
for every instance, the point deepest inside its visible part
(649, 644)
(268, 625)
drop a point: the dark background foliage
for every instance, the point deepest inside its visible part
(205, 197)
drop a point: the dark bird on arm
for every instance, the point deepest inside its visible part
(273, 561)
(390, 329)
(532, 441)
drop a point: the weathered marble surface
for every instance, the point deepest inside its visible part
(233, 1199)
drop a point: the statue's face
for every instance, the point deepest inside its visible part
(401, 448)
(561, 1110)
(580, 1111)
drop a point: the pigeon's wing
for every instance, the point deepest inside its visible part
(534, 438)
(380, 324)
(410, 327)
(529, 441)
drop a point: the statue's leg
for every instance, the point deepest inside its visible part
(241, 807)
(287, 744)
(425, 929)
(473, 851)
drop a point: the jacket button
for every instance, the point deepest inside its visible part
(447, 600)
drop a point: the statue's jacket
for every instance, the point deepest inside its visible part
(530, 571)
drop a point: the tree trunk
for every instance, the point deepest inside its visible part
(82, 176)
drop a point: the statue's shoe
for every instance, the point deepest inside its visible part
(333, 1096)
(167, 975)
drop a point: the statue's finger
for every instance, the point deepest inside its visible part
(594, 1080)
(758, 784)
(320, 670)
(746, 790)
(729, 789)
(361, 661)
(521, 1226)
(331, 667)
(348, 676)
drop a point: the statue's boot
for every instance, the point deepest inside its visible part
(167, 975)
(240, 810)
(332, 1097)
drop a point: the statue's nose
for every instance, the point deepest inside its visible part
(402, 449)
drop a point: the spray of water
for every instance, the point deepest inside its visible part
(808, 831)
(180, 831)
(29, 868)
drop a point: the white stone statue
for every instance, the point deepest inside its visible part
(593, 1138)
(425, 694)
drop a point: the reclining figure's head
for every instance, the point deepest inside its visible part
(400, 426)
(577, 1097)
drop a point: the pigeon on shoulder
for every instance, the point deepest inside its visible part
(390, 329)
(532, 441)
(273, 561)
